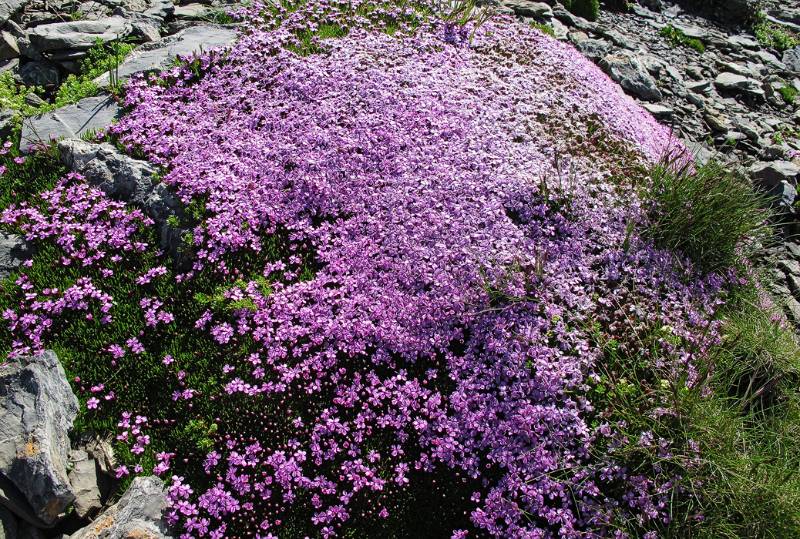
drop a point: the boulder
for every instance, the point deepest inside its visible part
(37, 408)
(77, 35)
(84, 481)
(526, 8)
(629, 71)
(594, 49)
(159, 55)
(773, 172)
(791, 59)
(778, 179)
(121, 177)
(138, 514)
(739, 84)
(14, 250)
(73, 121)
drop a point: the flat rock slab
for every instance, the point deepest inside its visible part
(157, 56)
(735, 83)
(78, 34)
(37, 408)
(73, 121)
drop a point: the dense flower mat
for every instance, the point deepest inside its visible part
(416, 236)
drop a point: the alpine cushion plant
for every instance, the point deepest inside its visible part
(407, 256)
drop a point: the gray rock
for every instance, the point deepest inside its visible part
(700, 87)
(791, 59)
(138, 514)
(157, 56)
(792, 309)
(14, 250)
(594, 49)
(42, 74)
(733, 67)
(790, 267)
(9, 8)
(560, 31)
(659, 111)
(778, 179)
(734, 83)
(37, 408)
(744, 42)
(77, 35)
(8, 524)
(628, 71)
(84, 481)
(73, 121)
(775, 171)
(9, 65)
(522, 8)
(121, 177)
(6, 123)
(9, 48)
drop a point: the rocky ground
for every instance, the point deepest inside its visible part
(725, 101)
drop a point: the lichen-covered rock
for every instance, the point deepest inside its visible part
(137, 515)
(37, 408)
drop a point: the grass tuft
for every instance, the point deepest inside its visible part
(708, 213)
(678, 38)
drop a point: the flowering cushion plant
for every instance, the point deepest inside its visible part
(405, 251)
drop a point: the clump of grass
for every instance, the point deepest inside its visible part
(788, 93)
(773, 35)
(677, 38)
(706, 212)
(749, 430)
(544, 28)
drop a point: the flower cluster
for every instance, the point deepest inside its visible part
(452, 239)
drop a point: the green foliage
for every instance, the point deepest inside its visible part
(100, 59)
(734, 435)
(773, 35)
(706, 212)
(544, 28)
(788, 93)
(22, 182)
(749, 431)
(12, 95)
(588, 9)
(677, 37)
